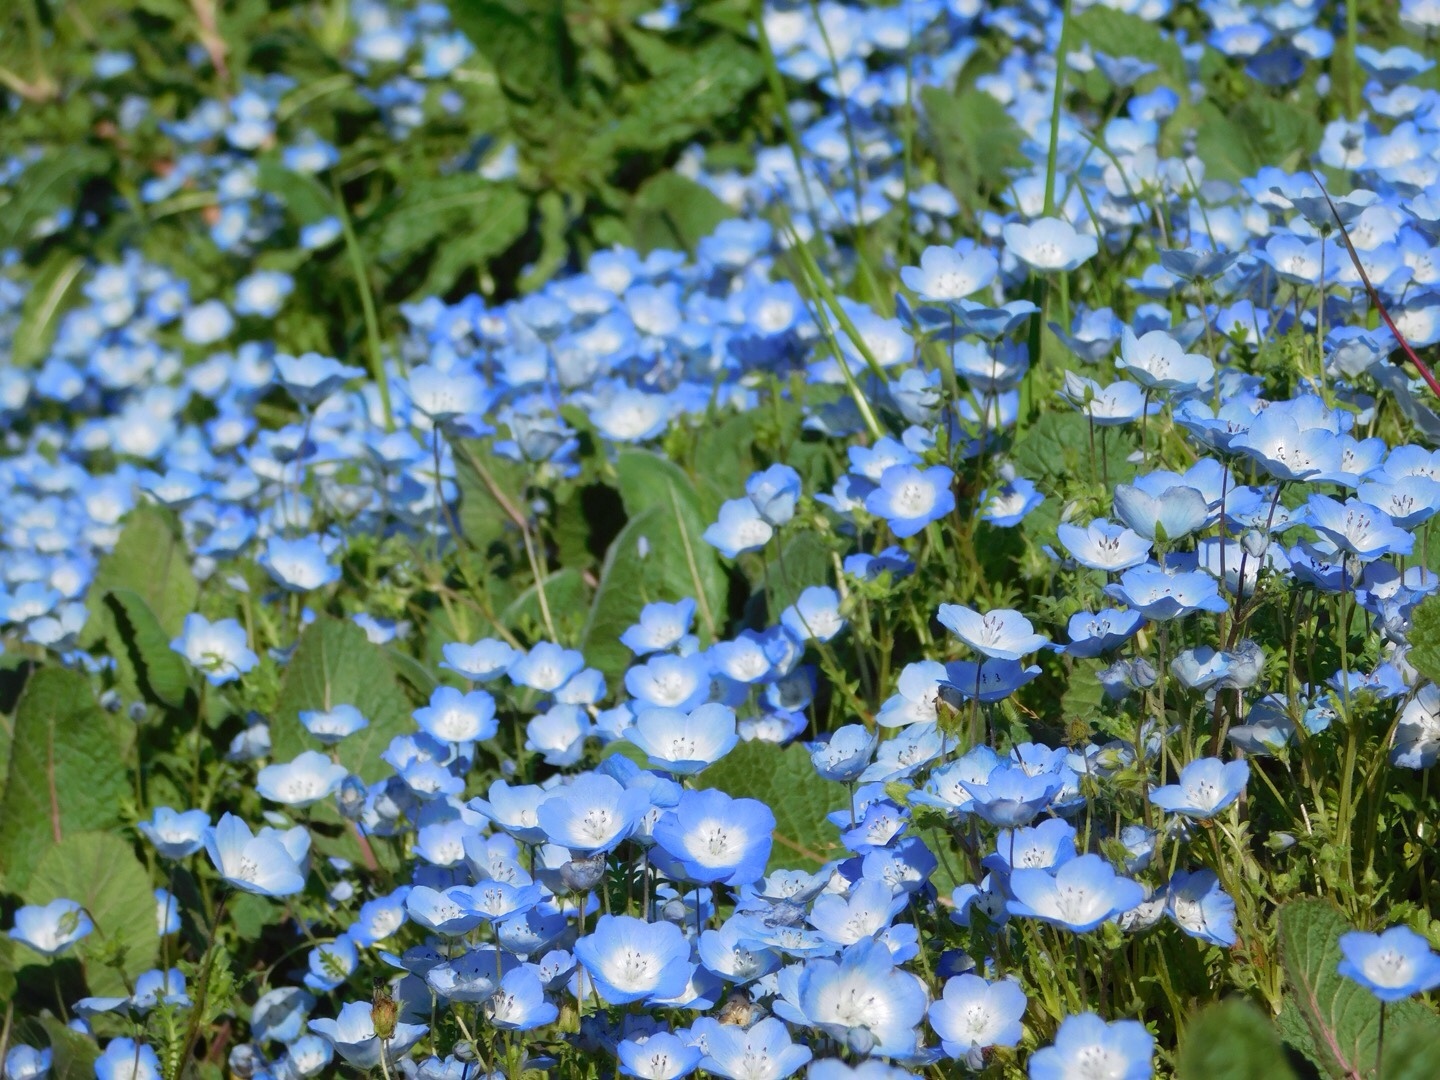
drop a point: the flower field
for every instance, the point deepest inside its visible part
(741, 539)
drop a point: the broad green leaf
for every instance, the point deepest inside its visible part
(67, 772)
(1232, 1040)
(1333, 1021)
(157, 671)
(786, 781)
(1425, 638)
(566, 595)
(471, 219)
(151, 560)
(43, 306)
(1119, 34)
(804, 561)
(51, 184)
(74, 1054)
(100, 871)
(702, 86)
(1055, 452)
(974, 139)
(303, 195)
(1258, 131)
(1411, 1053)
(528, 45)
(487, 499)
(335, 664)
(646, 481)
(674, 212)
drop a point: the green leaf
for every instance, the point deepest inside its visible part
(100, 871)
(566, 594)
(484, 518)
(1425, 638)
(44, 303)
(471, 219)
(67, 772)
(1412, 1053)
(974, 139)
(804, 561)
(786, 781)
(50, 184)
(1232, 1040)
(74, 1054)
(1330, 1019)
(1235, 143)
(1118, 34)
(157, 670)
(528, 45)
(674, 212)
(647, 479)
(151, 560)
(1055, 452)
(335, 664)
(701, 86)
(303, 195)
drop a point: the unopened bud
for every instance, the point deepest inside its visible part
(383, 1013)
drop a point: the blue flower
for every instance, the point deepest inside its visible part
(1200, 907)
(1092, 634)
(863, 1000)
(306, 780)
(218, 649)
(176, 835)
(1010, 796)
(1170, 513)
(329, 726)
(301, 565)
(945, 274)
(1161, 594)
(660, 1056)
(1393, 965)
(909, 499)
(1083, 893)
(774, 493)
(519, 1004)
(255, 864)
(713, 837)
(628, 959)
(973, 1015)
(1205, 787)
(1000, 634)
(50, 929)
(125, 1059)
(1158, 362)
(845, 754)
(761, 1052)
(1087, 1044)
(814, 615)
(454, 717)
(1049, 244)
(593, 813)
(546, 667)
(486, 659)
(353, 1036)
(310, 378)
(662, 626)
(740, 528)
(684, 743)
(1363, 530)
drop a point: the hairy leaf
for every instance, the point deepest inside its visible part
(1232, 1040)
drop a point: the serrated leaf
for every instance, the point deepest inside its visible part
(1333, 1021)
(1424, 651)
(335, 664)
(67, 772)
(786, 781)
(528, 45)
(703, 84)
(478, 218)
(1232, 1040)
(158, 670)
(100, 871)
(44, 303)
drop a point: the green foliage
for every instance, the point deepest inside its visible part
(99, 871)
(149, 560)
(1425, 638)
(50, 292)
(1258, 131)
(1118, 33)
(145, 660)
(803, 561)
(1232, 1040)
(672, 211)
(786, 781)
(1332, 1020)
(74, 1053)
(335, 664)
(67, 773)
(1410, 1054)
(974, 141)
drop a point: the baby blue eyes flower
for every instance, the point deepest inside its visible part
(310, 378)
(1000, 634)
(1169, 514)
(1086, 1045)
(546, 667)
(353, 1036)
(27, 1063)
(1363, 530)
(1201, 908)
(762, 1052)
(774, 493)
(712, 837)
(661, 1056)
(740, 528)
(1049, 245)
(330, 726)
(1102, 545)
(1158, 362)
(1092, 635)
(486, 659)
(255, 864)
(454, 717)
(945, 274)
(863, 1000)
(124, 1059)
(520, 1004)
(628, 959)
(1393, 965)
(309, 778)
(814, 615)
(593, 813)
(1205, 787)
(300, 565)
(973, 1015)
(218, 649)
(1163, 594)
(176, 835)
(662, 626)
(844, 756)
(909, 499)
(51, 929)
(685, 743)
(1083, 893)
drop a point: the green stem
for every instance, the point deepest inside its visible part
(367, 305)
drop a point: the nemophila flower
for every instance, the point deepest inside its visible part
(306, 780)
(1167, 514)
(945, 274)
(987, 681)
(761, 1052)
(1087, 1046)
(486, 659)
(1001, 634)
(444, 396)
(632, 416)
(909, 499)
(713, 837)
(1158, 362)
(685, 743)
(454, 717)
(519, 1004)
(1276, 441)
(1093, 634)
(1161, 594)
(815, 615)
(1010, 502)
(255, 864)
(50, 929)
(310, 378)
(206, 323)
(863, 1000)
(845, 754)
(449, 912)
(125, 1059)
(167, 912)
(1049, 244)
(332, 725)
(662, 626)
(593, 813)
(1010, 796)
(1200, 907)
(1205, 787)
(670, 682)
(1417, 734)
(1103, 545)
(1043, 847)
(1363, 530)
(354, 1038)
(662, 1055)
(868, 910)
(740, 528)
(1083, 893)
(219, 649)
(1393, 965)
(973, 1015)
(301, 565)
(27, 1063)
(628, 959)
(1106, 406)
(546, 667)
(558, 734)
(734, 955)
(775, 491)
(176, 835)
(262, 293)
(331, 963)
